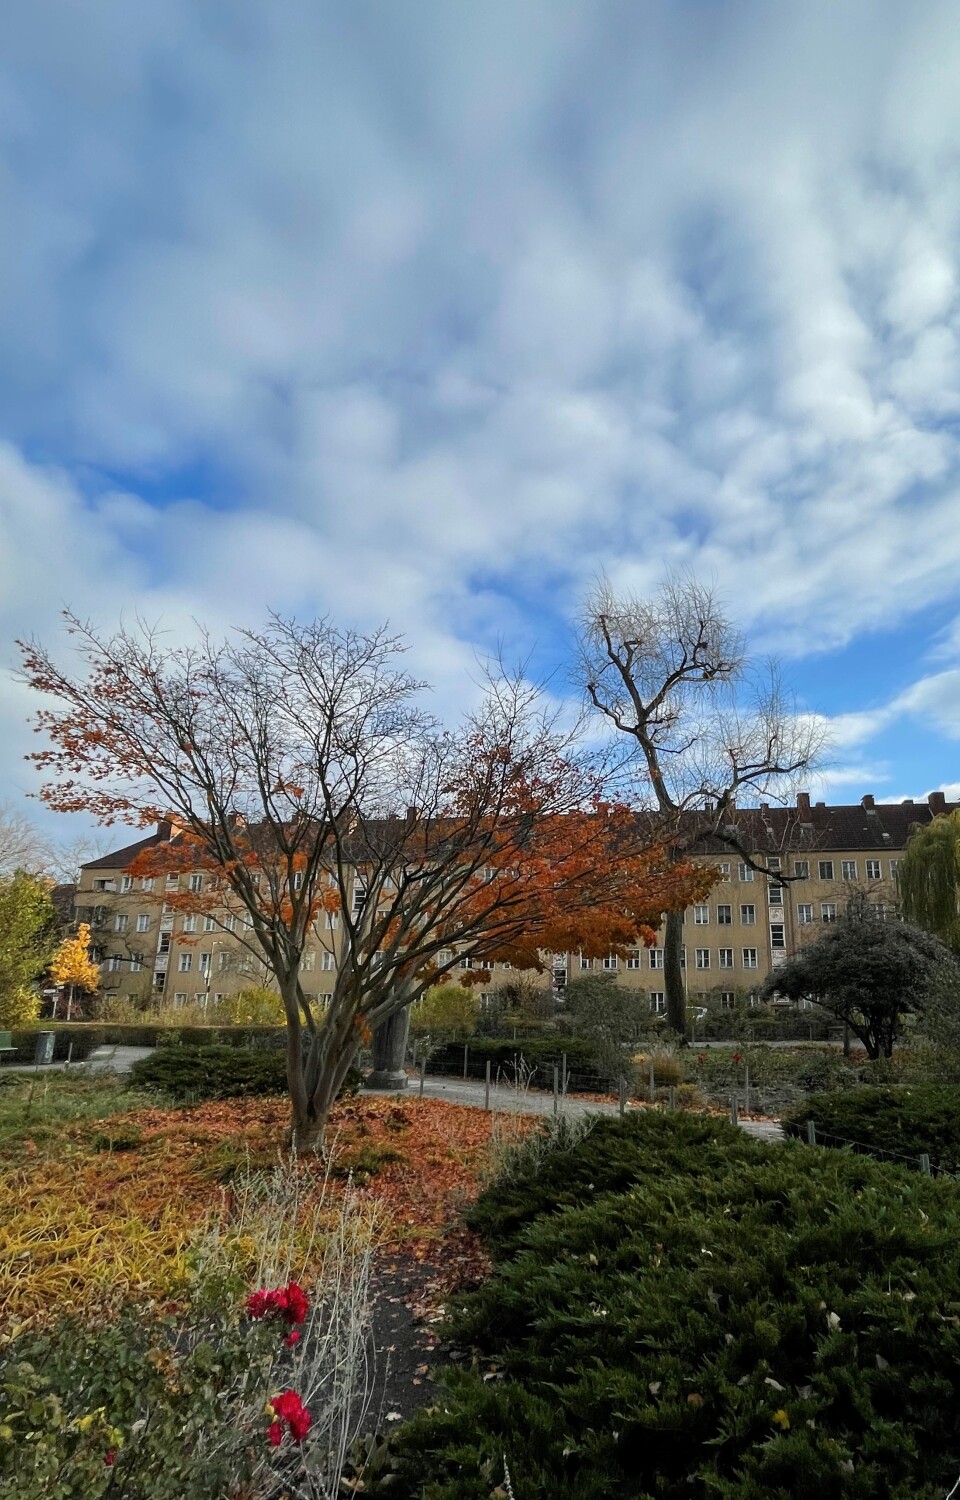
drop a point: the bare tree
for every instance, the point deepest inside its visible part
(22, 847)
(671, 673)
(313, 794)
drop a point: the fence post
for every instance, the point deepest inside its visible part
(423, 1072)
(746, 1088)
(564, 1080)
(486, 1091)
(69, 1054)
(733, 1109)
(556, 1086)
(925, 1164)
(653, 1084)
(672, 1097)
(623, 1095)
(466, 1056)
(811, 1133)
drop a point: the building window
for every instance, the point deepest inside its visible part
(201, 997)
(749, 958)
(332, 920)
(209, 924)
(185, 963)
(656, 958)
(113, 964)
(146, 882)
(195, 884)
(748, 915)
(895, 871)
(728, 999)
(328, 962)
(701, 916)
(126, 882)
(725, 958)
(745, 871)
(120, 922)
(173, 882)
(143, 922)
(703, 958)
(136, 963)
(205, 963)
(218, 997)
(804, 913)
(611, 961)
(179, 997)
(467, 963)
(223, 960)
(724, 915)
(297, 879)
(229, 922)
(359, 896)
(778, 937)
(633, 959)
(189, 924)
(104, 885)
(683, 958)
(848, 869)
(826, 869)
(873, 869)
(773, 862)
(801, 868)
(658, 1002)
(159, 980)
(725, 869)
(775, 895)
(586, 963)
(828, 911)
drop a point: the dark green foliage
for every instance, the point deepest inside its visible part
(608, 1015)
(735, 1321)
(85, 1036)
(506, 1054)
(929, 878)
(866, 972)
(217, 1072)
(904, 1122)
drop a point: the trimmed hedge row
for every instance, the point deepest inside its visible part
(538, 1052)
(906, 1122)
(707, 1316)
(190, 1073)
(86, 1036)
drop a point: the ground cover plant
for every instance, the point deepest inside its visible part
(902, 1122)
(710, 1318)
(218, 1072)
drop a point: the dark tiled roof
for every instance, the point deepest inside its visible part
(121, 858)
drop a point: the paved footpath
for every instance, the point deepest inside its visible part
(504, 1099)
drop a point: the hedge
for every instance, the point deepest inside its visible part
(732, 1320)
(540, 1052)
(188, 1073)
(86, 1036)
(923, 1119)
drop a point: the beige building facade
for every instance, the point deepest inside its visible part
(804, 863)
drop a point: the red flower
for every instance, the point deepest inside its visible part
(110, 1457)
(287, 1302)
(292, 1338)
(288, 1408)
(275, 1434)
(737, 1057)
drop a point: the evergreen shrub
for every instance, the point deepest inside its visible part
(683, 1313)
(902, 1121)
(192, 1073)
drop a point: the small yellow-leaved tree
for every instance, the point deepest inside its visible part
(72, 966)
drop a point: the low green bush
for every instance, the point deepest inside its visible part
(900, 1121)
(506, 1055)
(707, 1317)
(80, 1038)
(185, 1072)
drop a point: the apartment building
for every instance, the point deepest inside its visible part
(805, 863)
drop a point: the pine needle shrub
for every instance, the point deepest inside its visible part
(900, 1121)
(193, 1073)
(763, 1323)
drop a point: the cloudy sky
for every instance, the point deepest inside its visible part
(435, 311)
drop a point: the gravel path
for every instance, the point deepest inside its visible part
(504, 1099)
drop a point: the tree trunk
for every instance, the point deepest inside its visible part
(389, 1050)
(673, 980)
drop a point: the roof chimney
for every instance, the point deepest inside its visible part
(907, 802)
(803, 802)
(867, 803)
(820, 804)
(937, 802)
(168, 828)
(411, 816)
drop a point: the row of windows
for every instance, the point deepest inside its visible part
(727, 998)
(702, 960)
(826, 869)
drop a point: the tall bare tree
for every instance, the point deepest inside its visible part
(313, 792)
(707, 727)
(22, 847)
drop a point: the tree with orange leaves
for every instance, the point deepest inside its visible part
(314, 795)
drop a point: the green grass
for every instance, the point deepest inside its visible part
(37, 1106)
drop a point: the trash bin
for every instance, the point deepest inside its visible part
(44, 1052)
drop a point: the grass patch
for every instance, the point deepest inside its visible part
(37, 1107)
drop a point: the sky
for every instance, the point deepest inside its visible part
(436, 312)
